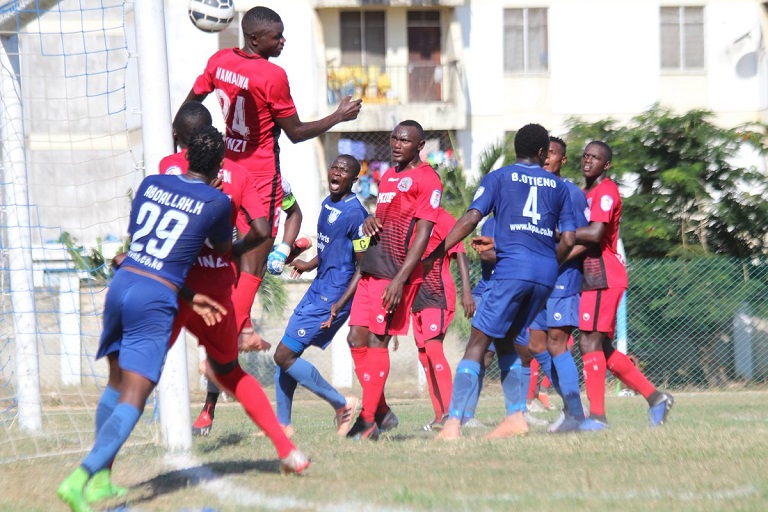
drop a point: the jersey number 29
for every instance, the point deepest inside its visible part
(165, 231)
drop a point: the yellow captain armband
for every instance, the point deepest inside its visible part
(361, 244)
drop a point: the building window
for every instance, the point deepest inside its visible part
(525, 40)
(682, 38)
(362, 38)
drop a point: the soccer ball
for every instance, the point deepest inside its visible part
(211, 15)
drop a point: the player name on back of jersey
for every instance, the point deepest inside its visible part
(231, 77)
(165, 198)
(536, 181)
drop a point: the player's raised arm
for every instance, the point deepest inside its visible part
(299, 131)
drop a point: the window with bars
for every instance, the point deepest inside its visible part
(362, 38)
(682, 38)
(525, 40)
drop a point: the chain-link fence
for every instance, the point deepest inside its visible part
(698, 323)
(373, 151)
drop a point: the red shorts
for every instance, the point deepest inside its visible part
(430, 323)
(270, 190)
(368, 312)
(220, 340)
(597, 310)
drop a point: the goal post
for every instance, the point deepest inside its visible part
(157, 140)
(18, 242)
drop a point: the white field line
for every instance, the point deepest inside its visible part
(229, 493)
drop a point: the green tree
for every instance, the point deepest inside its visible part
(686, 191)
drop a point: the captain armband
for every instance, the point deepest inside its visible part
(361, 244)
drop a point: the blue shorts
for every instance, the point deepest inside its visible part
(509, 304)
(560, 312)
(304, 326)
(138, 318)
(522, 338)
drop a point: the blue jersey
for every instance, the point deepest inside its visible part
(529, 203)
(486, 267)
(339, 223)
(171, 218)
(569, 279)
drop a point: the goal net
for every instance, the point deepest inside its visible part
(69, 129)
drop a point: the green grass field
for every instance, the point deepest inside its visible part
(712, 455)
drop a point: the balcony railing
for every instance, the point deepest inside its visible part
(423, 83)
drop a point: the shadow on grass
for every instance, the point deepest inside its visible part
(215, 444)
(172, 481)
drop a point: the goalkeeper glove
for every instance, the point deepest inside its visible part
(277, 257)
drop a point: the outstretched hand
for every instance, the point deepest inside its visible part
(298, 268)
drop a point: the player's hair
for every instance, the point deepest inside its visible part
(191, 116)
(354, 164)
(257, 16)
(410, 123)
(206, 151)
(605, 146)
(530, 139)
(558, 140)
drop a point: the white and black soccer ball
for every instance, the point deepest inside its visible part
(211, 15)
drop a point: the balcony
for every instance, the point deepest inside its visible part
(429, 93)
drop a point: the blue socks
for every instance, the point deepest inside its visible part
(111, 437)
(545, 361)
(469, 409)
(466, 388)
(308, 376)
(285, 386)
(107, 404)
(568, 377)
(514, 383)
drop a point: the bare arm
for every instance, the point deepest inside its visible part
(194, 97)
(299, 131)
(467, 300)
(300, 266)
(590, 235)
(258, 232)
(292, 224)
(464, 226)
(567, 239)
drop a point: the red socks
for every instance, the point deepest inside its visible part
(439, 378)
(594, 381)
(374, 379)
(437, 406)
(242, 298)
(360, 358)
(533, 383)
(623, 368)
(256, 404)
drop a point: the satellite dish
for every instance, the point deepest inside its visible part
(746, 66)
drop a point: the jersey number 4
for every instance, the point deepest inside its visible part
(531, 208)
(163, 231)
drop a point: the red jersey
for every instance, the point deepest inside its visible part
(214, 271)
(605, 267)
(252, 93)
(438, 289)
(404, 197)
